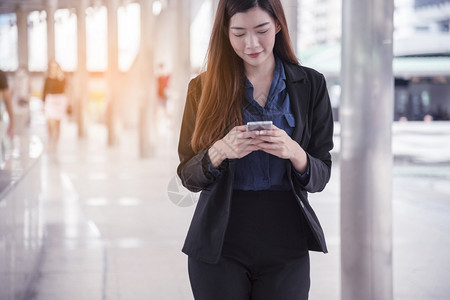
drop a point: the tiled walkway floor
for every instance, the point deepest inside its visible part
(112, 231)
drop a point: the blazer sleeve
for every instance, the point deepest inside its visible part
(320, 137)
(195, 169)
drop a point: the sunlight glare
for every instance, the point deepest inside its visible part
(37, 41)
(96, 39)
(129, 27)
(66, 39)
(8, 36)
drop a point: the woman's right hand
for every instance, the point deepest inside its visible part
(236, 144)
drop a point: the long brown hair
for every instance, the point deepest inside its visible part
(223, 82)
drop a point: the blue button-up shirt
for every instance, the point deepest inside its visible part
(259, 170)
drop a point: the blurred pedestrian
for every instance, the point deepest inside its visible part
(21, 99)
(253, 226)
(55, 102)
(6, 95)
(163, 79)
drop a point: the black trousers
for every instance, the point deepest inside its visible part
(264, 254)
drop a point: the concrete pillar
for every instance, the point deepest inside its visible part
(183, 60)
(366, 115)
(147, 124)
(290, 10)
(22, 36)
(50, 8)
(112, 72)
(81, 76)
(215, 4)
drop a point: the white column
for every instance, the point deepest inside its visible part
(183, 60)
(81, 76)
(50, 8)
(147, 124)
(290, 10)
(22, 36)
(215, 4)
(366, 115)
(112, 72)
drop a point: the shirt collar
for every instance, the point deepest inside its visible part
(277, 86)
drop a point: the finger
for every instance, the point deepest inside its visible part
(250, 148)
(234, 130)
(257, 142)
(234, 136)
(260, 144)
(241, 128)
(268, 139)
(272, 132)
(239, 135)
(249, 134)
(268, 146)
(245, 145)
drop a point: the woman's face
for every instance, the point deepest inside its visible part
(252, 36)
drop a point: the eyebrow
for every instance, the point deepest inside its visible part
(258, 26)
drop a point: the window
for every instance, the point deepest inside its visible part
(66, 39)
(129, 27)
(37, 41)
(96, 39)
(8, 39)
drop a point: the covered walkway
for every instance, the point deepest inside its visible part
(104, 216)
(113, 230)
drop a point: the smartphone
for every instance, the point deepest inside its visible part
(259, 125)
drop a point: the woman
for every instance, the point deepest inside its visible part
(55, 102)
(6, 96)
(253, 225)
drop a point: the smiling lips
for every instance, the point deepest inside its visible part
(254, 55)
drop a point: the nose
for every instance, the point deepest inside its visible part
(251, 41)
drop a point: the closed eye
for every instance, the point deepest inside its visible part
(262, 32)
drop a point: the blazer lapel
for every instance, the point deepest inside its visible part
(298, 89)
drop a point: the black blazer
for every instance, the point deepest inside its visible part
(313, 131)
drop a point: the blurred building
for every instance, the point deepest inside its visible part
(109, 50)
(319, 22)
(421, 27)
(421, 48)
(422, 39)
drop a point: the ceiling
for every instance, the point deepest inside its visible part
(11, 6)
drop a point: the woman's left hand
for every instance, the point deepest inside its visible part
(278, 143)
